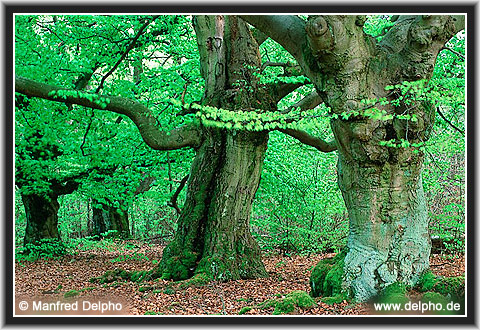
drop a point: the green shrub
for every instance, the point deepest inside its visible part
(44, 249)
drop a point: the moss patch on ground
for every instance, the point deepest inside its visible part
(196, 281)
(292, 301)
(394, 293)
(453, 286)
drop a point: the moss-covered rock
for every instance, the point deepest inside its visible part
(293, 300)
(327, 277)
(453, 286)
(394, 293)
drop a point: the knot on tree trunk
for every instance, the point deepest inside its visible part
(319, 36)
(317, 27)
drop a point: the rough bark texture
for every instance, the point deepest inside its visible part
(381, 186)
(42, 218)
(213, 236)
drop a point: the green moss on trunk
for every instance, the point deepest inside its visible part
(327, 277)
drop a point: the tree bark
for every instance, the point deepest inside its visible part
(42, 218)
(381, 185)
(213, 236)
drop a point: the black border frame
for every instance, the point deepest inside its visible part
(235, 8)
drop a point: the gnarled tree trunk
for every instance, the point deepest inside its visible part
(381, 184)
(213, 236)
(42, 218)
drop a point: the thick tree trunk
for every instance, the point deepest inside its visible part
(381, 184)
(213, 235)
(107, 218)
(42, 218)
(389, 239)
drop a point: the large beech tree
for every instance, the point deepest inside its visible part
(381, 184)
(213, 236)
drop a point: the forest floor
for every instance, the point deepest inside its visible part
(53, 279)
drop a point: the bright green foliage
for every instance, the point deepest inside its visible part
(298, 207)
(46, 249)
(377, 25)
(245, 310)
(64, 50)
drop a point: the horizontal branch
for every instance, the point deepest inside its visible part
(308, 102)
(310, 140)
(186, 136)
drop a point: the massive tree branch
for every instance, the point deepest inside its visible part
(279, 90)
(259, 36)
(310, 140)
(186, 136)
(287, 30)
